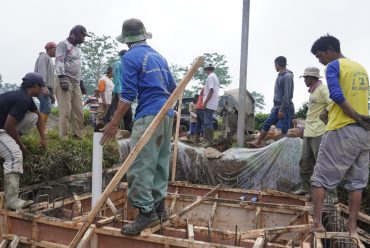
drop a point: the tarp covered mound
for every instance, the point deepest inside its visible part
(275, 166)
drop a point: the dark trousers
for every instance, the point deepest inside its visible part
(200, 116)
(127, 119)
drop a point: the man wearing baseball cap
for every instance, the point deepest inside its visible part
(45, 66)
(315, 126)
(69, 85)
(18, 115)
(147, 77)
(282, 112)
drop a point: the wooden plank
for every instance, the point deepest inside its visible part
(259, 242)
(306, 245)
(291, 222)
(86, 238)
(213, 212)
(190, 232)
(45, 244)
(107, 220)
(184, 211)
(111, 206)
(175, 145)
(275, 230)
(361, 216)
(15, 242)
(135, 151)
(173, 202)
(77, 205)
(4, 243)
(258, 217)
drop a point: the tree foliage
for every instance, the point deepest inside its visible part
(221, 70)
(98, 52)
(4, 87)
(259, 100)
(302, 111)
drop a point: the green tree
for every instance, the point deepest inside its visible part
(4, 87)
(98, 52)
(221, 70)
(259, 100)
(302, 111)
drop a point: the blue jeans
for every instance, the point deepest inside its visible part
(192, 127)
(284, 124)
(208, 118)
(200, 121)
(45, 104)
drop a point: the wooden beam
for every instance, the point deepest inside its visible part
(184, 211)
(136, 150)
(190, 232)
(258, 217)
(14, 242)
(86, 238)
(173, 202)
(259, 242)
(175, 145)
(107, 220)
(213, 211)
(4, 243)
(111, 206)
(275, 230)
(361, 216)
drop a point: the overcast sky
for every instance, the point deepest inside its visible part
(183, 30)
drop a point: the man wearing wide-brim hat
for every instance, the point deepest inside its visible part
(318, 104)
(147, 77)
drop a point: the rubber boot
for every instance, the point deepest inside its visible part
(208, 140)
(141, 222)
(305, 185)
(11, 188)
(160, 209)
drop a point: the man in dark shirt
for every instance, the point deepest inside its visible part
(18, 114)
(282, 112)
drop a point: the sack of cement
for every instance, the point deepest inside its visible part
(275, 166)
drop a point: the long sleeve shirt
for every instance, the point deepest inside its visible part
(68, 60)
(146, 76)
(283, 93)
(45, 66)
(117, 77)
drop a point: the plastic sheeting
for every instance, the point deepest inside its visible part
(275, 166)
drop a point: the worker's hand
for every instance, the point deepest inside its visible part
(280, 115)
(205, 105)
(64, 83)
(324, 116)
(109, 133)
(52, 98)
(45, 91)
(364, 121)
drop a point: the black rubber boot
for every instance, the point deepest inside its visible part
(141, 222)
(161, 211)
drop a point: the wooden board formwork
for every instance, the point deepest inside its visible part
(233, 221)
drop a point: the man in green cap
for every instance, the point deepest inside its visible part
(147, 77)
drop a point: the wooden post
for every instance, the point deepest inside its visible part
(135, 151)
(175, 144)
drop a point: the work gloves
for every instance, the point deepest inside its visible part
(64, 83)
(82, 87)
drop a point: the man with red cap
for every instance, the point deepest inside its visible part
(69, 86)
(45, 66)
(18, 115)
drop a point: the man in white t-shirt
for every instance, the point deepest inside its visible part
(210, 101)
(105, 88)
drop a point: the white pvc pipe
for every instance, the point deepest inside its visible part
(97, 169)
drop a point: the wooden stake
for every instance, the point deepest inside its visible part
(135, 151)
(15, 242)
(175, 145)
(86, 238)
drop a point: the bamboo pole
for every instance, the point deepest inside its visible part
(175, 145)
(135, 151)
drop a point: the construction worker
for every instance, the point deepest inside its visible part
(105, 88)
(145, 75)
(199, 131)
(117, 90)
(193, 117)
(18, 115)
(210, 101)
(45, 66)
(319, 101)
(69, 85)
(344, 149)
(283, 109)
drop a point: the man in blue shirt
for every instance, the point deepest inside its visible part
(145, 76)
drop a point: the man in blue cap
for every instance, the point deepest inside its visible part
(145, 76)
(18, 115)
